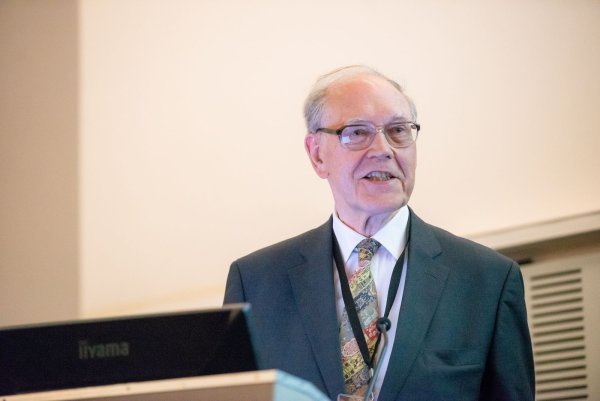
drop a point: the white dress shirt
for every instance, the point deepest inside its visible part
(393, 238)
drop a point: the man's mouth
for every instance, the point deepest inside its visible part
(379, 176)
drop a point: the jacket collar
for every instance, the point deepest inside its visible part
(425, 281)
(313, 288)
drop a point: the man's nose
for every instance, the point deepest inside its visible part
(380, 144)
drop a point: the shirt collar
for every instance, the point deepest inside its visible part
(392, 236)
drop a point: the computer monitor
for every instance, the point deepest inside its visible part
(126, 349)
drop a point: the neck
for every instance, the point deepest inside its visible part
(367, 225)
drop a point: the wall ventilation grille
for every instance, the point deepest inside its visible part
(556, 319)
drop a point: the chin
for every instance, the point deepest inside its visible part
(383, 209)
(385, 205)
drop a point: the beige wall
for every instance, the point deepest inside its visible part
(39, 213)
(190, 132)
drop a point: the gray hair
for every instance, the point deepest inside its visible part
(315, 102)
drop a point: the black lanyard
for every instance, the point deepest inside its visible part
(349, 300)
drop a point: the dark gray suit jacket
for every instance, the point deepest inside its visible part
(462, 329)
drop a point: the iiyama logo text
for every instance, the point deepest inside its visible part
(100, 351)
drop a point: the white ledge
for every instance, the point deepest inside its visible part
(538, 232)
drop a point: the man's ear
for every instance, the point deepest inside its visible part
(313, 150)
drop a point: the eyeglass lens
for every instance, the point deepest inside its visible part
(399, 135)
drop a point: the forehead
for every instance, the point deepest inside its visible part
(364, 97)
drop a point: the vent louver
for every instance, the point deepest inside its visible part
(556, 319)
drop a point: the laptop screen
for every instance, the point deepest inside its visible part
(126, 349)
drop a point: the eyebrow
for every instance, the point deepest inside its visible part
(395, 119)
(398, 118)
(353, 121)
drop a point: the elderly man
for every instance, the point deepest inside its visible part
(458, 320)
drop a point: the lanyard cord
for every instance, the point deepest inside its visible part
(349, 300)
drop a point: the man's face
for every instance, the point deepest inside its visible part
(378, 180)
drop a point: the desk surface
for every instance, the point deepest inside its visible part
(272, 385)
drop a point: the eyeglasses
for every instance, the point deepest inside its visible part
(360, 136)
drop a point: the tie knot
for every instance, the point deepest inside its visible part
(367, 248)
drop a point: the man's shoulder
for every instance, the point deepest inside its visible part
(460, 249)
(290, 250)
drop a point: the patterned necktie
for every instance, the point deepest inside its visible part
(362, 287)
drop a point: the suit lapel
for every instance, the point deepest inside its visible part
(313, 287)
(425, 281)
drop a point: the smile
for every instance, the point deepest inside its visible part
(379, 176)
